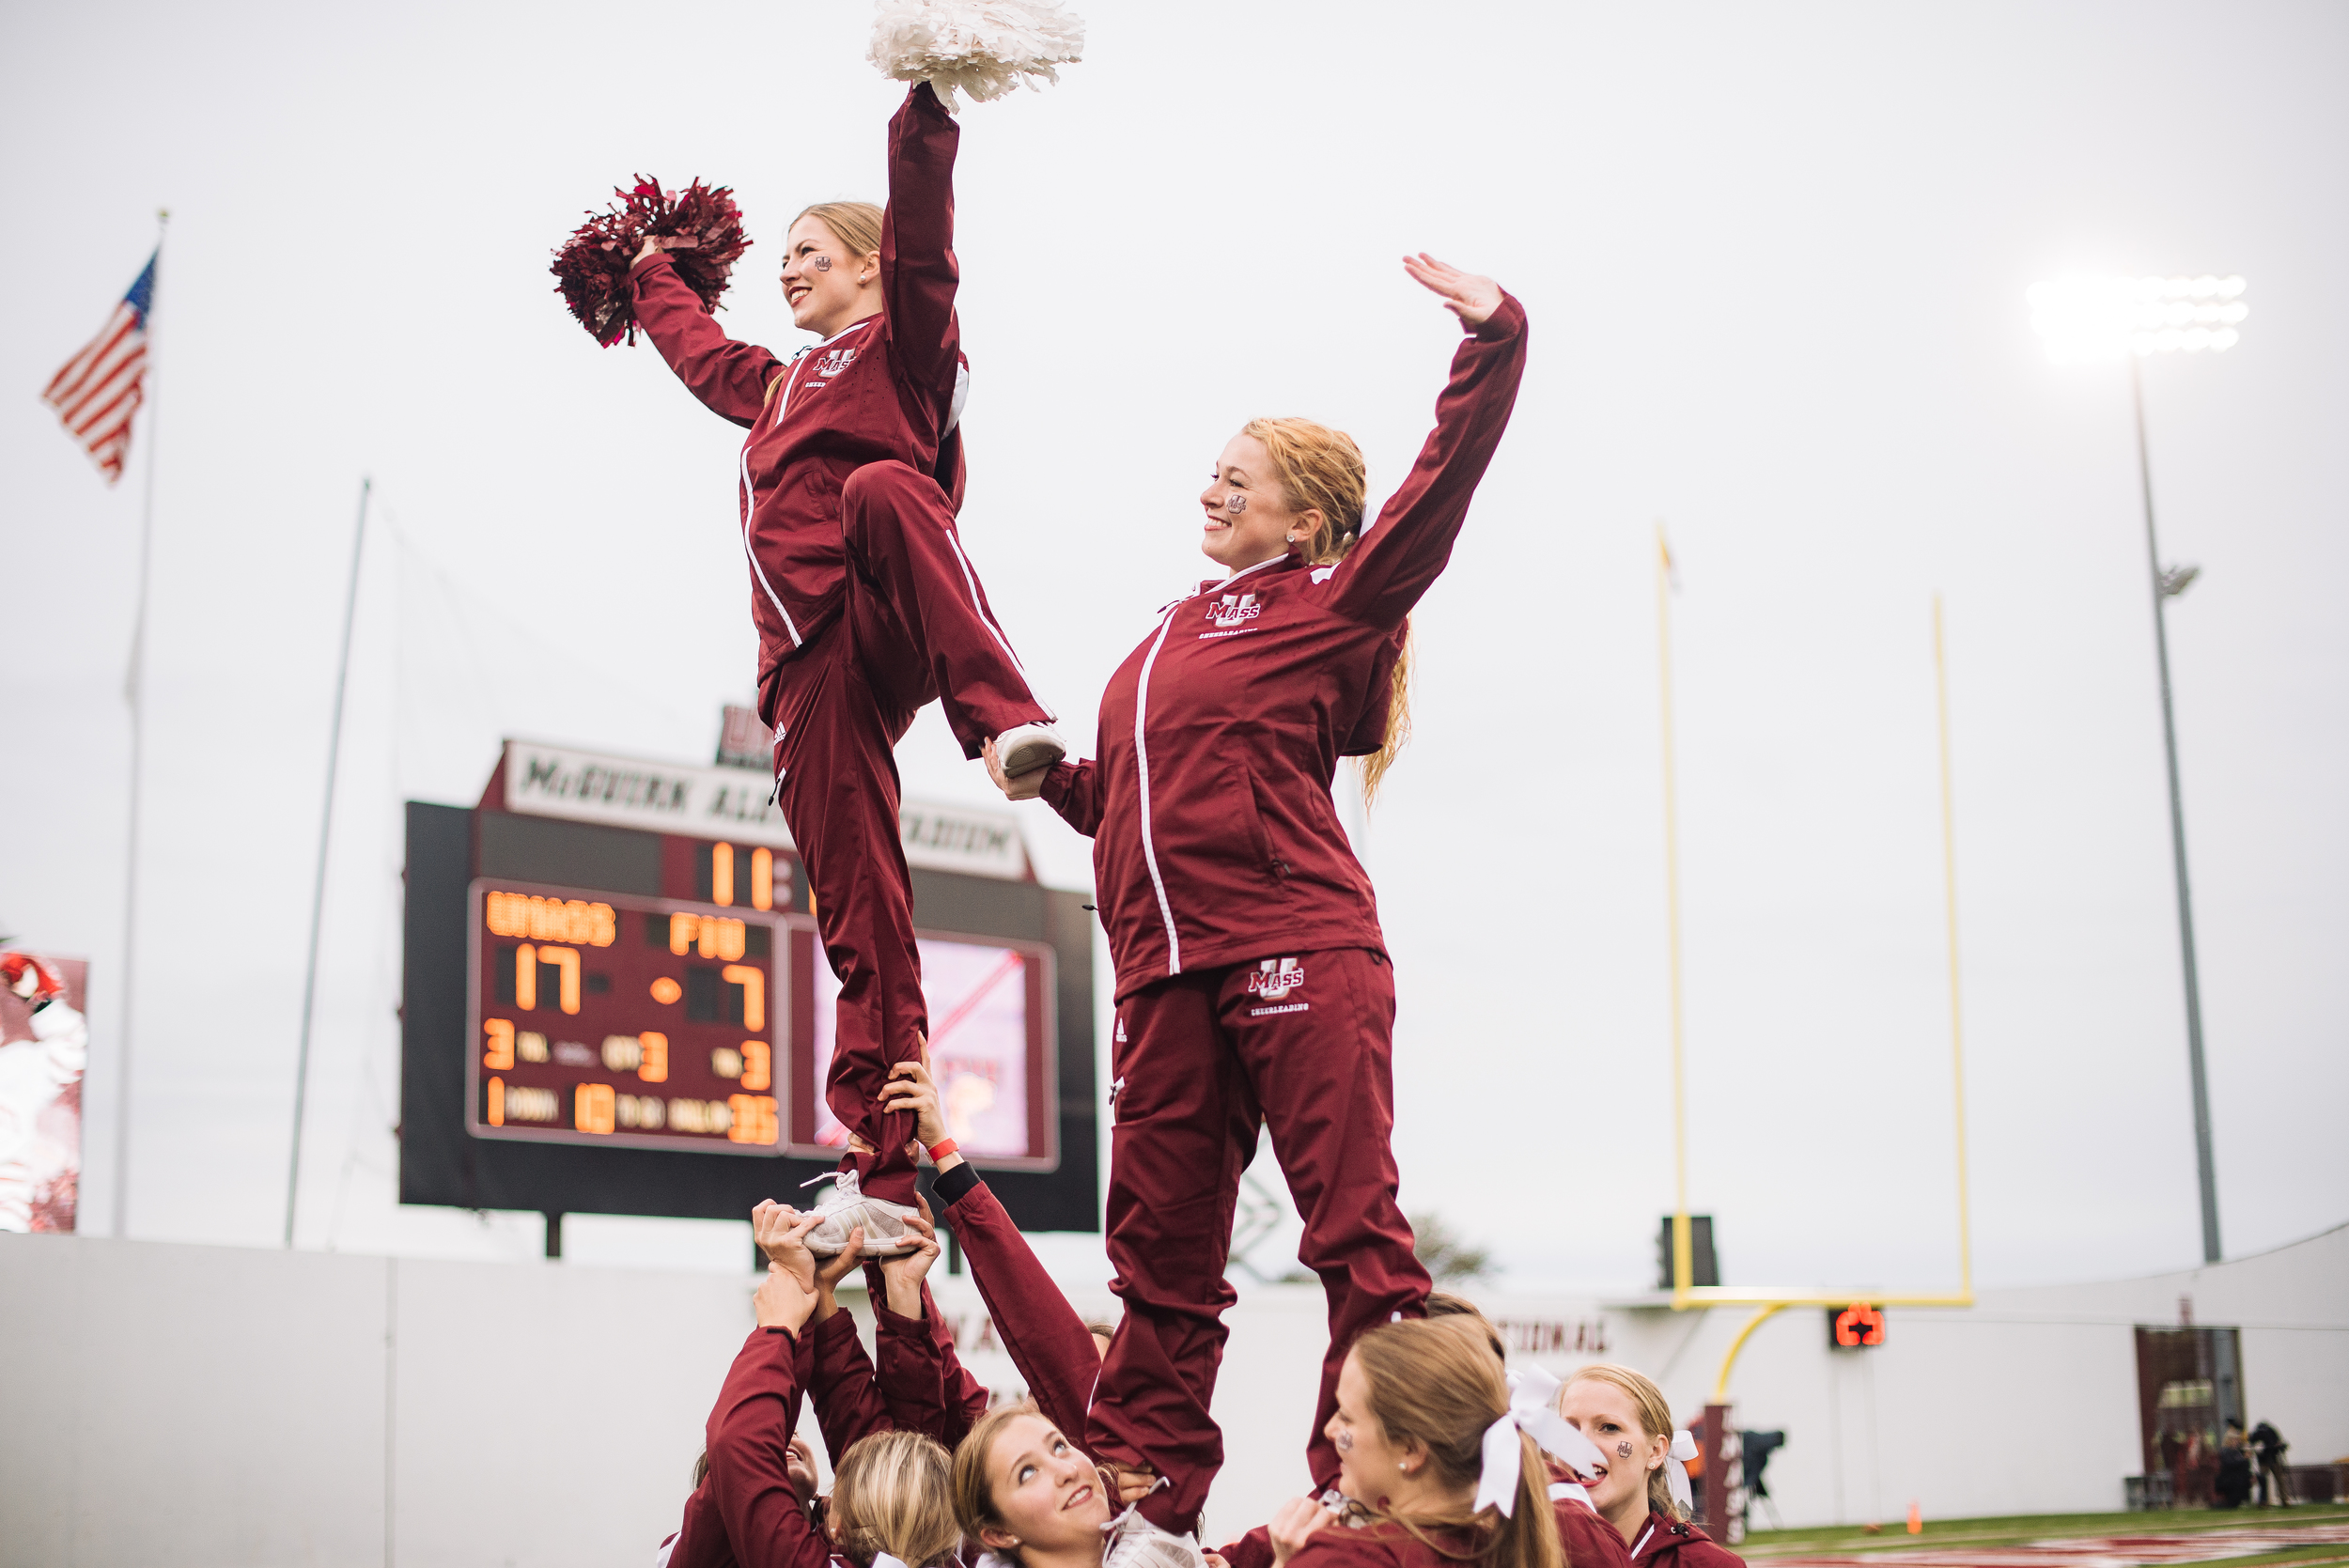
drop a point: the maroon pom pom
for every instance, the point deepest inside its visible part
(701, 229)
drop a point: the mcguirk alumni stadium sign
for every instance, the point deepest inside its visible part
(732, 803)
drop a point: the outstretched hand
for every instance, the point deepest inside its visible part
(1470, 298)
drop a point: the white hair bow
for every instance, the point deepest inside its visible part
(1677, 1469)
(1533, 1411)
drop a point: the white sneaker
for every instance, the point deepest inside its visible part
(1134, 1541)
(1028, 748)
(886, 1234)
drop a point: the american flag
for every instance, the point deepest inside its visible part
(101, 387)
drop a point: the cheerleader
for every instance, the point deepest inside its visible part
(1429, 1448)
(1253, 981)
(865, 604)
(1642, 1491)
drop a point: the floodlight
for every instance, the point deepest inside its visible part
(2097, 318)
(2085, 319)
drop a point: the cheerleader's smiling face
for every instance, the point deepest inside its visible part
(1249, 519)
(1606, 1415)
(1048, 1495)
(827, 285)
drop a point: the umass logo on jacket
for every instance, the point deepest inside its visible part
(1234, 610)
(836, 362)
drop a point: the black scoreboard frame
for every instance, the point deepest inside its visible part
(441, 1163)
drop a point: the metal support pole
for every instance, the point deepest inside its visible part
(326, 832)
(1683, 1247)
(2205, 1169)
(137, 691)
(1949, 891)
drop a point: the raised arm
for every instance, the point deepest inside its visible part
(731, 378)
(1403, 550)
(1042, 1332)
(917, 254)
(849, 1405)
(750, 1435)
(922, 1379)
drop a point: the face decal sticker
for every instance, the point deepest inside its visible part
(1236, 505)
(822, 263)
(1623, 1449)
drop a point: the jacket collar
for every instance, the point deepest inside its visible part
(1209, 585)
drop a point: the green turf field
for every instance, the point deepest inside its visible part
(1764, 1544)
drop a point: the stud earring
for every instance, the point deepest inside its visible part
(1292, 539)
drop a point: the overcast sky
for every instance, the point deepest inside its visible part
(1775, 262)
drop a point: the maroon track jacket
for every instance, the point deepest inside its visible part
(1665, 1542)
(1386, 1545)
(882, 389)
(1588, 1541)
(1214, 837)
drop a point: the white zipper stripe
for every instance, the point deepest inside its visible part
(971, 581)
(1142, 762)
(749, 500)
(1643, 1541)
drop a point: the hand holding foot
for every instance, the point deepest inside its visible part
(911, 1087)
(782, 1234)
(1018, 759)
(902, 1275)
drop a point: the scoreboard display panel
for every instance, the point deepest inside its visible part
(614, 999)
(644, 1022)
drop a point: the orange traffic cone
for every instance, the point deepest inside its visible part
(1916, 1518)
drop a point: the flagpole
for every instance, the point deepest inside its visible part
(326, 830)
(138, 747)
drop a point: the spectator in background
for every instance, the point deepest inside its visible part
(2272, 1485)
(2233, 1488)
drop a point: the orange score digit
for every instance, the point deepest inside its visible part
(753, 984)
(592, 1108)
(526, 961)
(753, 1118)
(722, 878)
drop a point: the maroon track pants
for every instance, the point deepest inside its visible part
(1199, 1061)
(915, 626)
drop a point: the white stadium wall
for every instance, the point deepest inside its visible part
(212, 1406)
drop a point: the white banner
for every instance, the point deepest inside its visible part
(731, 803)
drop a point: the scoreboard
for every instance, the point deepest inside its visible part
(616, 1000)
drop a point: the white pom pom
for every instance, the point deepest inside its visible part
(984, 47)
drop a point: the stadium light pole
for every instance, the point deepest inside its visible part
(2133, 319)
